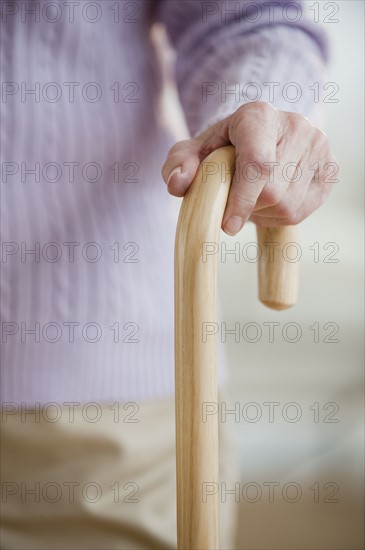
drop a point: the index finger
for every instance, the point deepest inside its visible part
(253, 131)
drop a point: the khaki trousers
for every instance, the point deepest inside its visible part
(94, 477)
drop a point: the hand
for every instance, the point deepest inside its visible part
(284, 166)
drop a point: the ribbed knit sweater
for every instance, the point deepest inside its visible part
(87, 224)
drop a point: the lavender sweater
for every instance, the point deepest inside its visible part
(87, 225)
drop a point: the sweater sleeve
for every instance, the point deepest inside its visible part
(230, 53)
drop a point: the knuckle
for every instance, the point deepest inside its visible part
(263, 108)
(295, 218)
(271, 195)
(258, 220)
(320, 139)
(256, 107)
(284, 210)
(256, 158)
(299, 123)
(179, 147)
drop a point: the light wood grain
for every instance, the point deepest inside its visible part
(278, 272)
(195, 371)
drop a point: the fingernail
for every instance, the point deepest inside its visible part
(172, 173)
(233, 225)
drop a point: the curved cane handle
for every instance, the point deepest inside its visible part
(195, 374)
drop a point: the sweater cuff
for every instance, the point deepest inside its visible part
(279, 65)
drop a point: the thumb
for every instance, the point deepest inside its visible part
(181, 165)
(184, 157)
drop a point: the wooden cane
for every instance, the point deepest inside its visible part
(198, 229)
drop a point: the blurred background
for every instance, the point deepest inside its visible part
(314, 464)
